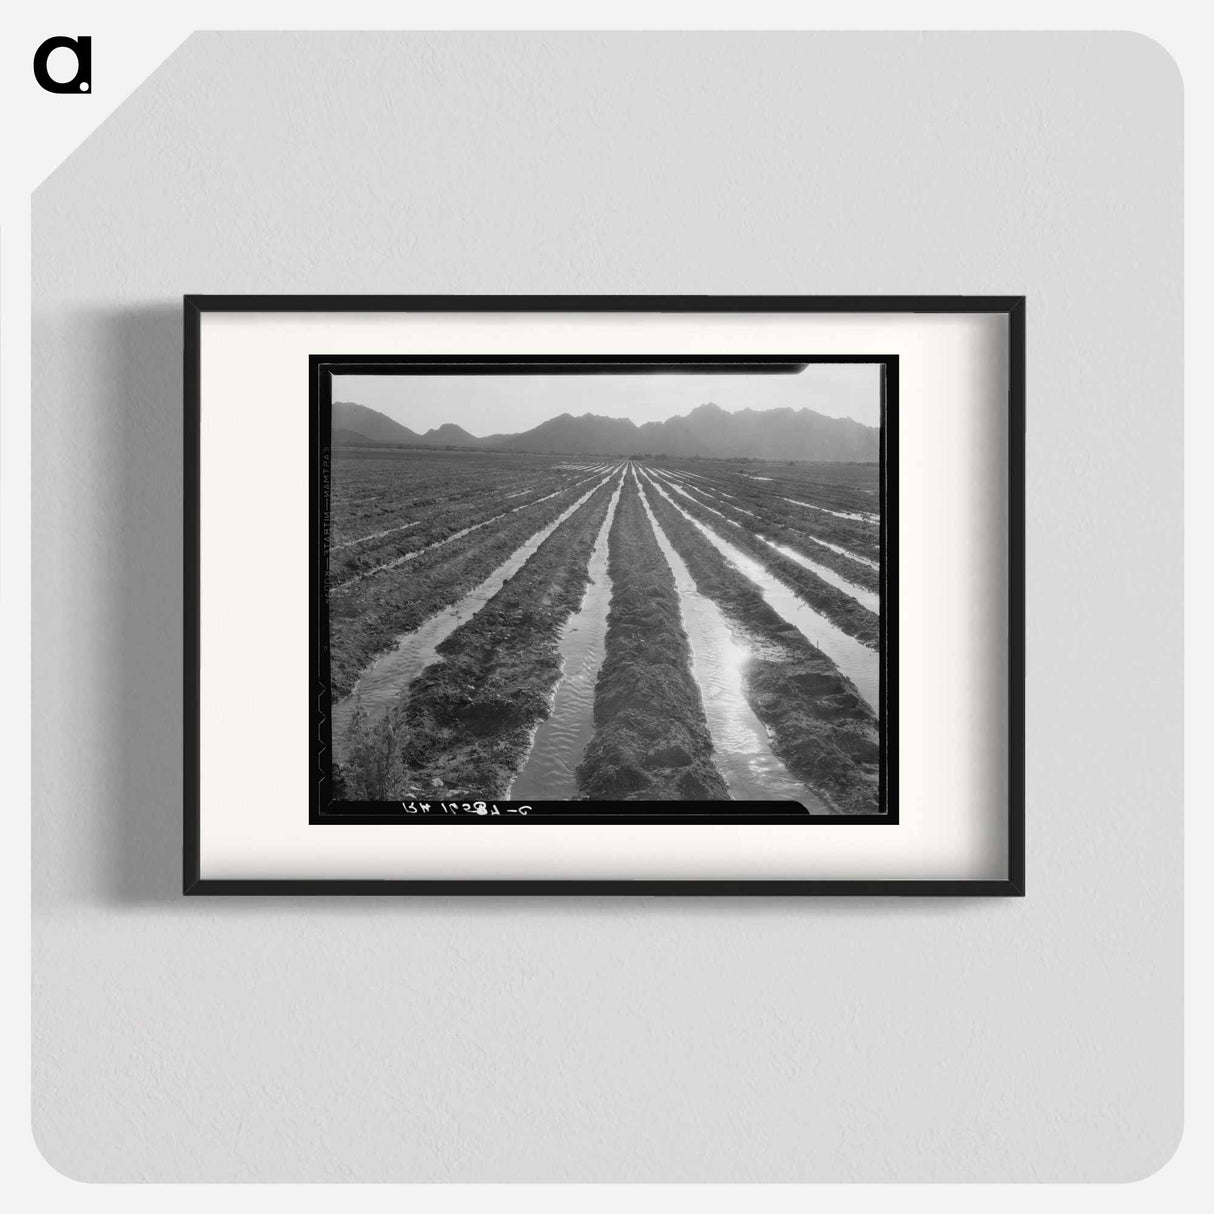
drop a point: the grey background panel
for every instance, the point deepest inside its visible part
(631, 1039)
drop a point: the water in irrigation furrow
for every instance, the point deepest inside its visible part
(412, 556)
(739, 509)
(712, 496)
(866, 598)
(383, 681)
(847, 552)
(375, 535)
(717, 496)
(715, 490)
(679, 489)
(851, 514)
(549, 771)
(741, 744)
(855, 660)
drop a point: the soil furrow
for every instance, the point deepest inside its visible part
(836, 605)
(780, 530)
(651, 739)
(821, 727)
(381, 683)
(720, 651)
(366, 619)
(852, 515)
(351, 568)
(361, 521)
(465, 724)
(788, 500)
(549, 771)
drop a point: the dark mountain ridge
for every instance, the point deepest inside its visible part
(451, 435)
(708, 430)
(370, 423)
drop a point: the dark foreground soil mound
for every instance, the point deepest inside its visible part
(651, 741)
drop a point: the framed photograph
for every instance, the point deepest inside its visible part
(604, 595)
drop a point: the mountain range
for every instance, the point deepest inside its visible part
(709, 430)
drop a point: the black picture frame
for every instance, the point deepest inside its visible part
(1011, 307)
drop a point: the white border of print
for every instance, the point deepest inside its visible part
(254, 748)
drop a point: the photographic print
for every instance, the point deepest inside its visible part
(603, 589)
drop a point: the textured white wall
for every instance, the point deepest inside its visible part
(627, 1039)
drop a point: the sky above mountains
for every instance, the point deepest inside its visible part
(484, 404)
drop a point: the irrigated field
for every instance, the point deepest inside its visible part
(576, 628)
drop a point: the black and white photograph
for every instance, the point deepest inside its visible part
(604, 585)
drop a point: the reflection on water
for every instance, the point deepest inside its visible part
(741, 745)
(714, 495)
(847, 552)
(392, 672)
(680, 490)
(375, 535)
(851, 514)
(412, 556)
(548, 773)
(866, 598)
(856, 661)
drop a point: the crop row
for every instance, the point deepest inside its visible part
(651, 740)
(795, 511)
(367, 616)
(465, 724)
(820, 726)
(846, 487)
(839, 607)
(370, 495)
(858, 498)
(778, 528)
(402, 543)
